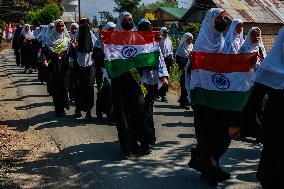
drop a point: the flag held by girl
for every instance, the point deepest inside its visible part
(222, 81)
(127, 50)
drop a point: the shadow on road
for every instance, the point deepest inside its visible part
(105, 162)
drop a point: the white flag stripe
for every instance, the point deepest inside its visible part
(116, 51)
(236, 81)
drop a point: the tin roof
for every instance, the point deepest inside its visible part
(257, 11)
(176, 12)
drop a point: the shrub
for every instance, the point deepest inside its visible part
(45, 15)
(193, 28)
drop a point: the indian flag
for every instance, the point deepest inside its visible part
(222, 81)
(125, 50)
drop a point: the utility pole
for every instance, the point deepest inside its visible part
(79, 7)
(102, 15)
(75, 14)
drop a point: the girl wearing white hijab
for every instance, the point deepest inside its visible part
(103, 102)
(151, 78)
(27, 46)
(124, 24)
(58, 66)
(129, 103)
(46, 33)
(251, 126)
(182, 57)
(166, 47)
(253, 43)
(235, 37)
(209, 39)
(270, 73)
(110, 25)
(85, 73)
(211, 125)
(73, 30)
(270, 76)
(42, 69)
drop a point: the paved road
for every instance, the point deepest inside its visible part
(90, 156)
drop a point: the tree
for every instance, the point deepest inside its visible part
(131, 6)
(95, 21)
(162, 3)
(44, 15)
(15, 10)
(126, 5)
(109, 17)
(193, 28)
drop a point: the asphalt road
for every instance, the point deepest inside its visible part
(90, 155)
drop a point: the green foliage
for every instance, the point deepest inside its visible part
(131, 6)
(175, 42)
(2, 25)
(45, 15)
(126, 5)
(175, 72)
(16, 10)
(193, 28)
(162, 3)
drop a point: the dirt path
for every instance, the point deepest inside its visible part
(17, 144)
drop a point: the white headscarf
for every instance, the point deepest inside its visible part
(166, 45)
(233, 39)
(210, 40)
(47, 31)
(55, 38)
(271, 70)
(184, 49)
(27, 34)
(249, 47)
(36, 31)
(74, 24)
(119, 20)
(109, 25)
(40, 36)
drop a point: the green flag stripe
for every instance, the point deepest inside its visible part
(117, 67)
(229, 100)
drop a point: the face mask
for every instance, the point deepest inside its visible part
(127, 25)
(222, 26)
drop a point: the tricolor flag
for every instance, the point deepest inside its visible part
(222, 81)
(125, 50)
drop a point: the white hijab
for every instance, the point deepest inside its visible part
(249, 47)
(210, 40)
(47, 31)
(184, 49)
(27, 34)
(40, 36)
(109, 25)
(271, 70)
(55, 38)
(119, 20)
(233, 39)
(73, 34)
(165, 43)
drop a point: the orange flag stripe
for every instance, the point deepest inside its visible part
(224, 63)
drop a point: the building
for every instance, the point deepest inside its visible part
(268, 15)
(70, 14)
(166, 16)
